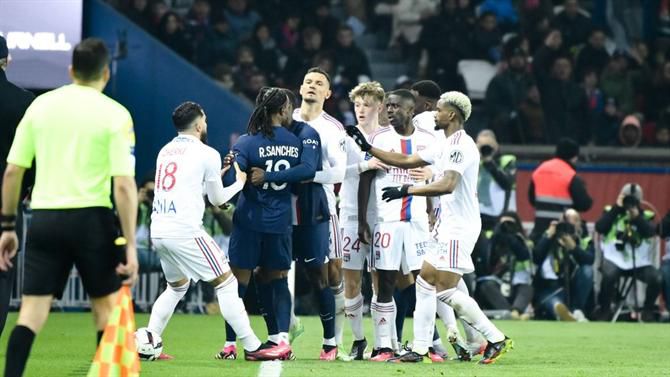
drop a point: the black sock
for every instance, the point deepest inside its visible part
(18, 349)
(100, 336)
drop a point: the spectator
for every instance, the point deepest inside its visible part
(223, 75)
(171, 32)
(301, 59)
(245, 67)
(533, 13)
(573, 24)
(537, 32)
(555, 187)
(146, 255)
(626, 243)
(323, 20)
(505, 93)
(563, 101)
(564, 257)
(138, 11)
(664, 232)
(504, 277)
(199, 14)
(486, 38)
(289, 33)
(593, 56)
(607, 124)
(242, 19)
(531, 117)
(352, 63)
(630, 131)
(662, 136)
(496, 187)
(157, 10)
(222, 43)
(407, 16)
(266, 51)
(504, 10)
(256, 81)
(658, 98)
(616, 82)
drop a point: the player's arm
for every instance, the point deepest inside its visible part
(219, 195)
(445, 185)
(334, 171)
(364, 185)
(396, 159)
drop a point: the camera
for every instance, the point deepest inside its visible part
(486, 150)
(150, 195)
(509, 227)
(565, 228)
(630, 202)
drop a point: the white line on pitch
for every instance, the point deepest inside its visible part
(270, 369)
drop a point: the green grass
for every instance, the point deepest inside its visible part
(66, 346)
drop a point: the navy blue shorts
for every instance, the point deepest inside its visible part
(310, 244)
(249, 249)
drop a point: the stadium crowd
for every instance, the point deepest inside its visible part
(598, 71)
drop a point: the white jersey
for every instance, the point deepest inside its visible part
(459, 216)
(333, 154)
(410, 207)
(426, 121)
(183, 167)
(349, 190)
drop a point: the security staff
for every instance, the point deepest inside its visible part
(555, 187)
(82, 141)
(13, 104)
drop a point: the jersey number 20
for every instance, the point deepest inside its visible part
(276, 166)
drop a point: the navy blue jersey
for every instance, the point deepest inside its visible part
(266, 208)
(311, 205)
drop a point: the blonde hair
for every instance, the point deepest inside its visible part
(373, 89)
(458, 100)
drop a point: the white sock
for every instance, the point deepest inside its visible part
(274, 338)
(373, 314)
(164, 306)
(338, 292)
(424, 316)
(448, 317)
(353, 310)
(329, 342)
(233, 311)
(394, 329)
(384, 320)
(472, 336)
(470, 312)
(283, 337)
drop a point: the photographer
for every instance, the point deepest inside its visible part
(146, 255)
(497, 180)
(505, 271)
(564, 257)
(664, 232)
(627, 232)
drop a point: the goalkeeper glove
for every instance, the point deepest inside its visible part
(358, 137)
(395, 192)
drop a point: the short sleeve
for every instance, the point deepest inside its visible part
(213, 166)
(122, 148)
(456, 159)
(431, 154)
(22, 151)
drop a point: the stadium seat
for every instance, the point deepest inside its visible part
(477, 75)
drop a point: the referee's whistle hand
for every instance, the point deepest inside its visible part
(9, 244)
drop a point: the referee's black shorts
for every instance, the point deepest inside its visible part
(59, 238)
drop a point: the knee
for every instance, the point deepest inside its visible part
(179, 288)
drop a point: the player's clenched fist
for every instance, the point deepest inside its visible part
(358, 137)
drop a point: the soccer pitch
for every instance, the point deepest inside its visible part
(66, 347)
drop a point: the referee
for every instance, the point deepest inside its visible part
(80, 140)
(13, 104)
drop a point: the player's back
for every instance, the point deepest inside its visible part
(310, 204)
(410, 208)
(266, 208)
(182, 166)
(461, 208)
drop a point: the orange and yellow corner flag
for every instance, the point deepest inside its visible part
(117, 353)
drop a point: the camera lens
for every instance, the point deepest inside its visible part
(486, 150)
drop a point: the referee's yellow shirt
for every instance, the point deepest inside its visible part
(79, 138)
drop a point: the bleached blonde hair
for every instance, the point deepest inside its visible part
(458, 100)
(372, 88)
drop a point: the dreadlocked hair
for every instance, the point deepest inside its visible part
(268, 102)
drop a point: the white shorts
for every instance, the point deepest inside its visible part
(453, 255)
(354, 252)
(197, 258)
(399, 245)
(334, 239)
